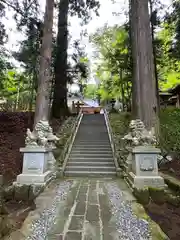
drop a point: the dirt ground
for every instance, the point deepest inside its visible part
(168, 218)
(172, 168)
(13, 128)
(17, 213)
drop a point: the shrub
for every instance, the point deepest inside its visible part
(170, 131)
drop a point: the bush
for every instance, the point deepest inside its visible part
(120, 123)
(120, 126)
(170, 131)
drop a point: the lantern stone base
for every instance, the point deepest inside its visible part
(35, 166)
(141, 182)
(144, 168)
(28, 179)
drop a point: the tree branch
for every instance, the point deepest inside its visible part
(15, 8)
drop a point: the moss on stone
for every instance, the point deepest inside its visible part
(34, 191)
(155, 230)
(172, 183)
(172, 199)
(157, 195)
(21, 192)
(9, 192)
(5, 226)
(142, 195)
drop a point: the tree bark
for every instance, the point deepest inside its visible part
(144, 83)
(155, 59)
(59, 105)
(43, 93)
(136, 110)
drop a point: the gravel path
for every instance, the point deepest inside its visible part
(47, 218)
(93, 209)
(127, 224)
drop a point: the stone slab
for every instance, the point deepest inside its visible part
(92, 213)
(73, 236)
(146, 149)
(80, 208)
(147, 181)
(34, 178)
(34, 149)
(76, 223)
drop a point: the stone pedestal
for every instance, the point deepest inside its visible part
(35, 166)
(128, 163)
(145, 168)
(51, 160)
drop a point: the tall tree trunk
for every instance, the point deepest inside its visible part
(155, 59)
(136, 110)
(122, 90)
(42, 99)
(144, 83)
(59, 105)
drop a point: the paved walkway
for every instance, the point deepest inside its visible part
(86, 214)
(87, 209)
(97, 210)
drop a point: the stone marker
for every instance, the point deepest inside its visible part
(37, 155)
(35, 166)
(141, 165)
(144, 167)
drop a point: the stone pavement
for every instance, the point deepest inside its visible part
(91, 212)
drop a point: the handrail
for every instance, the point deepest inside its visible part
(74, 132)
(110, 134)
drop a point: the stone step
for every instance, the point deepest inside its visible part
(91, 147)
(80, 163)
(90, 174)
(91, 151)
(89, 131)
(86, 145)
(91, 155)
(91, 141)
(92, 138)
(90, 159)
(91, 168)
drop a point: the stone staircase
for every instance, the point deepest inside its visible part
(91, 153)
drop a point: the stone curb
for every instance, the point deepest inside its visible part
(156, 231)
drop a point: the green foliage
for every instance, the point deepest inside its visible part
(79, 72)
(90, 91)
(120, 123)
(83, 8)
(170, 131)
(15, 90)
(114, 68)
